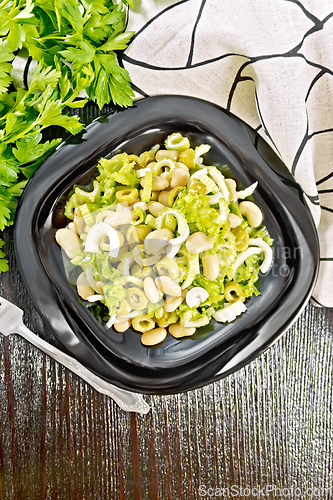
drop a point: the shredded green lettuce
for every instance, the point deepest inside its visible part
(189, 212)
(214, 288)
(199, 214)
(114, 292)
(193, 268)
(225, 246)
(261, 232)
(113, 289)
(102, 193)
(83, 259)
(105, 268)
(190, 317)
(248, 273)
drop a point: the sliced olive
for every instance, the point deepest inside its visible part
(242, 238)
(233, 292)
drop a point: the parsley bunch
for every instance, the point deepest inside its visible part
(75, 44)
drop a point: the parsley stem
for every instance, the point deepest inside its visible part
(4, 117)
(3, 3)
(51, 37)
(26, 132)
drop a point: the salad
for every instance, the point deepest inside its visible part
(164, 242)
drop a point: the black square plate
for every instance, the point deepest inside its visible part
(216, 350)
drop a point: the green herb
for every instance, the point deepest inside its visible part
(74, 43)
(3, 261)
(23, 117)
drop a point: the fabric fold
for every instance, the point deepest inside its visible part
(267, 62)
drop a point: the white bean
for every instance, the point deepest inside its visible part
(234, 220)
(252, 212)
(72, 227)
(155, 208)
(83, 288)
(211, 266)
(115, 219)
(151, 291)
(199, 242)
(69, 241)
(178, 331)
(159, 183)
(163, 198)
(180, 177)
(79, 223)
(156, 240)
(167, 153)
(167, 286)
(121, 325)
(172, 303)
(153, 337)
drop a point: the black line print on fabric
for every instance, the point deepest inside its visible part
(301, 147)
(252, 61)
(314, 81)
(308, 14)
(257, 137)
(190, 56)
(127, 16)
(327, 209)
(138, 90)
(26, 72)
(136, 62)
(328, 17)
(318, 25)
(305, 140)
(314, 199)
(159, 14)
(318, 132)
(264, 126)
(239, 78)
(322, 191)
(292, 52)
(324, 179)
(315, 65)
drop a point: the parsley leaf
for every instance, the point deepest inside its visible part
(83, 55)
(3, 261)
(6, 55)
(75, 44)
(29, 149)
(8, 172)
(117, 42)
(6, 200)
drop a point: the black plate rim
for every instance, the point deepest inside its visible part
(23, 221)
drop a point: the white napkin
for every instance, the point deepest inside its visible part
(270, 62)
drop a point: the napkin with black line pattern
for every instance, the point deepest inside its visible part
(270, 62)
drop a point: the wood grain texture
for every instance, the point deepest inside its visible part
(269, 425)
